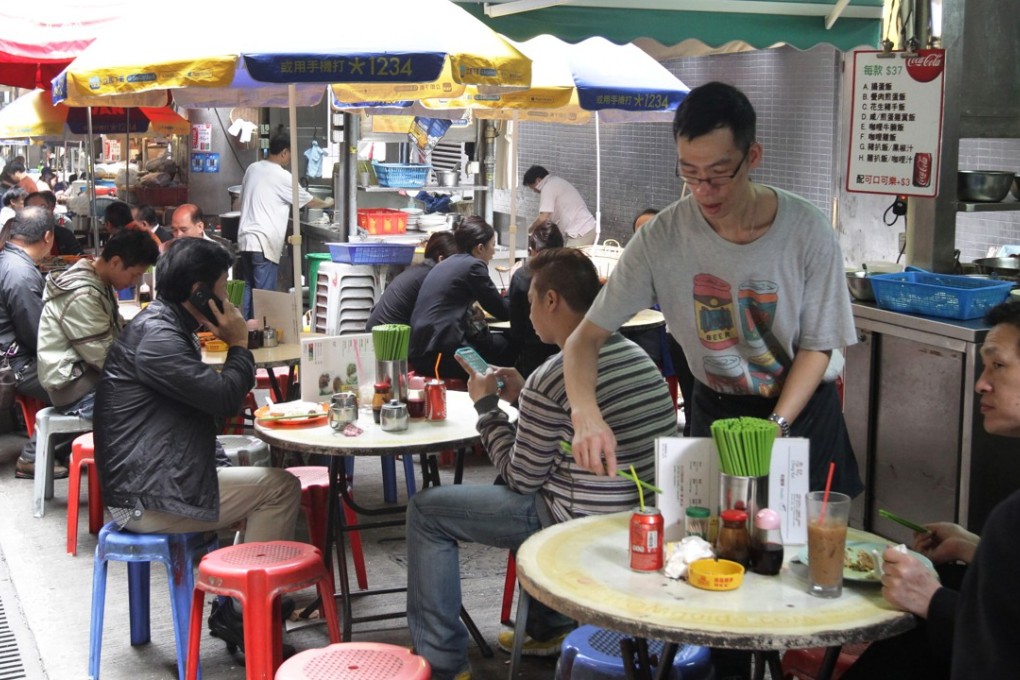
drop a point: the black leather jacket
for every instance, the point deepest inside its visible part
(21, 303)
(157, 408)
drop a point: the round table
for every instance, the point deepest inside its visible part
(288, 354)
(581, 568)
(643, 320)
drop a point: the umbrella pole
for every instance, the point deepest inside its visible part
(514, 147)
(598, 179)
(92, 184)
(295, 239)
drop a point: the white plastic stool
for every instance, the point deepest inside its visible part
(48, 422)
(245, 450)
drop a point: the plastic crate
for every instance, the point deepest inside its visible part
(372, 253)
(944, 295)
(407, 175)
(382, 220)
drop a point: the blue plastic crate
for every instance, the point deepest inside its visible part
(944, 295)
(372, 253)
(406, 175)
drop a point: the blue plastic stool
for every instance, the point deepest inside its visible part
(593, 653)
(389, 475)
(179, 552)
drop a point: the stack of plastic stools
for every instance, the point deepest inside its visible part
(49, 422)
(315, 505)
(356, 661)
(177, 551)
(83, 456)
(257, 574)
(593, 653)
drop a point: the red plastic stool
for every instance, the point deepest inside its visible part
(83, 455)
(315, 505)
(804, 664)
(29, 407)
(360, 660)
(257, 574)
(509, 586)
(282, 374)
(245, 418)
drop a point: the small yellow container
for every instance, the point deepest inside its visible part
(712, 574)
(216, 346)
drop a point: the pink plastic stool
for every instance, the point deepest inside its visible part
(83, 455)
(257, 574)
(355, 661)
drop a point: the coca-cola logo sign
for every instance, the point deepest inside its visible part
(927, 65)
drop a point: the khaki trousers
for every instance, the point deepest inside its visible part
(582, 240)
(268, 500)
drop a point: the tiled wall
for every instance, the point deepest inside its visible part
(977, 232)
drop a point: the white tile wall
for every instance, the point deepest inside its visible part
(977, 232)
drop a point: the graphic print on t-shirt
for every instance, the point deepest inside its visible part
(756, 370)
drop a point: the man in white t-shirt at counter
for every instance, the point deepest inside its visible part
(266, 194)
(561, 203)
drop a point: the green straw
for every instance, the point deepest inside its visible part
(744, 445)
(640, 491)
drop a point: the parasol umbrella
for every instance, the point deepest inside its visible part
(35, 115)
(384, 47)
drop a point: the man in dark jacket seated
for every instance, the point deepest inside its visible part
(158, 410)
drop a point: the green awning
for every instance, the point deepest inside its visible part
(626, 24)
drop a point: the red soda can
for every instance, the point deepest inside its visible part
(922, 169)
(646, 540)
(435, 400)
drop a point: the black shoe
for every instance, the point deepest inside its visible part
(24, 469)
(226, 624)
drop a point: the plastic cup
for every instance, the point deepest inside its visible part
(826, 542)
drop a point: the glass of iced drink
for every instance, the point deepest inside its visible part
(827, 522)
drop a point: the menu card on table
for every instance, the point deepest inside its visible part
(341, 363)
(278, 311)
(687, 471)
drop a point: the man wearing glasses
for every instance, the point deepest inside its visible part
(750, 279)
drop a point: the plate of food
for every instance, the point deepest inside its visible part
(292, 414)
(859, 560)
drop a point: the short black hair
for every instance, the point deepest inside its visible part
(48, 196)
(545, 235)
(13, 194)
(187, 261)
(440, 244)
(30, 225)
(12, 168)
(533, 174)
(569, 272)
(713, 106)
(278, 144)
(132, 247)
(1007, 312)
(473, 231)
(646, 211)
(118, 214)
(146, 213)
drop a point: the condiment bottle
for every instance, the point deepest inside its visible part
(767, 543)
(734, 543)
(144, 295)
(383, 394)
(696, 521)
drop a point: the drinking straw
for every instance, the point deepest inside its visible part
(640, 491)
(439, 358)
(828, 485)
(357, 362)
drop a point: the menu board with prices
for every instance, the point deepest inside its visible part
(896, 122)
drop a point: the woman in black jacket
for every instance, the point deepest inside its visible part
(397, 301)
(443, 319)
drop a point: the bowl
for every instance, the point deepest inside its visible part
(983, 186)
(1015, 189)
(712, 574)
(882, 267)
(860, 286)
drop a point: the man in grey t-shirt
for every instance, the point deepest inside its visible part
(750, 279)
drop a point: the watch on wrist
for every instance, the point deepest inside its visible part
(783, 423)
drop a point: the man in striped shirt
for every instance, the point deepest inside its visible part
(543, 484)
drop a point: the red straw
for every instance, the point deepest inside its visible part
(439, 357)
(828, 485)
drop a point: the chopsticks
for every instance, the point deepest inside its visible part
(294, 416)
(391, 341)
(745, 445)
(567, 449)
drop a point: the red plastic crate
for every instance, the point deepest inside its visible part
(380, 221)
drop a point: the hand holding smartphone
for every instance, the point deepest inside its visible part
(200, 299)
(473, 359)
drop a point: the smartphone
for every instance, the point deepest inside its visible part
(904, 522)
(200, 299)
(477, 363)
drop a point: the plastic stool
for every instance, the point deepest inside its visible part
(593, 653)
(245, 450)
(804, 664)
(177, 551)
(315, 505)
(83, 455)
(509, 583)
(49, 422)
(356, 660)
(29, 407)
(257, 574)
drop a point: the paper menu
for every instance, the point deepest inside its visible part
(278, 310)
(687, 470)
(336, 364)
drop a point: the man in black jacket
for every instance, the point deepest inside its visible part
(158, 410)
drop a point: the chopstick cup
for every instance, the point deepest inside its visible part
(566, 448)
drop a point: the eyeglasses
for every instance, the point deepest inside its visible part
(715, 180)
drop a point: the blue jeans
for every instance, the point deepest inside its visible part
(439, 518)
(83, 408)
(258, 273)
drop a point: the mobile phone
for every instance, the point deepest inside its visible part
(200, 299)
(904, 522)
(477, 363)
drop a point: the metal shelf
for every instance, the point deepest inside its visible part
(1005, 206)
(375, 188)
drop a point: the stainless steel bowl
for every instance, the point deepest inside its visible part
(983, 186)
(860, 286)
(1015, 189)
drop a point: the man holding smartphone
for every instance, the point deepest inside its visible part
(159, 408)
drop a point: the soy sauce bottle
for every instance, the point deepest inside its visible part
(766, 543)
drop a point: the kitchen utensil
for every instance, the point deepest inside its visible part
(860, 286)
(393, 417)
(913, 526)
(983, 186)
(1015, 189)
(446, 178)
(343, 410)
(1003, 266)
(269, 337)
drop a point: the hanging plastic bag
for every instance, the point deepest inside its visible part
(8, 381)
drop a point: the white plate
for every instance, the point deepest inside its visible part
(865, 577)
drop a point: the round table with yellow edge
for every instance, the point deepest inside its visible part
(581, 568)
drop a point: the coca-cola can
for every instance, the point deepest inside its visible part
(435, 400)
(646, 540)
(922, 169)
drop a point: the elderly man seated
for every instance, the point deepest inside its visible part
(543, 484)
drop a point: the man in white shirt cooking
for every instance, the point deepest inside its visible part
(561, 203)
(266, 194)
